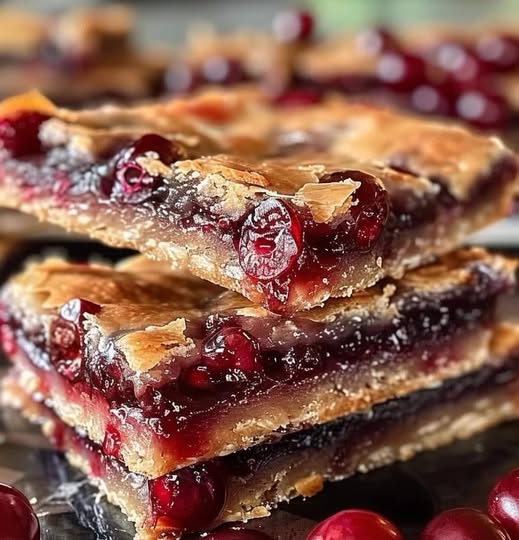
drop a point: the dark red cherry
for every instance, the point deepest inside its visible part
(197, 378)
(270, 241)
(460, 61)
(463, 524)
(400, 71)
(231, 348)
(190, 498)
(112, 442)
(369, 211)
(482, 109)
(355, 525)
(19, 522)
(237, 534)
(222, 70)
(181, 78)
(65, 337)
(133, 184)
(503, 503)
(19, 134)
(376, 40)
(431, 99)
(499, 51)
(299, 97)
(293, 25)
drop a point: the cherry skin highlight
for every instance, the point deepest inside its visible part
(503, 503)
(270, 240)
(19, 522)
(293, 25)
(19, 134)
(463, 524)
(355, 525)
(188, 499)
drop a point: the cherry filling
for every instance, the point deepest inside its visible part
(19, 134)
(188, 499)
(65, 339)
(131, 182)
(193, 497)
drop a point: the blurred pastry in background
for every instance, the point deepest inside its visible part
(83, 55)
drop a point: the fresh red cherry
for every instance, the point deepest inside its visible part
(181, 78)
(376, 40)
(131, 182)
(400, 71)
(19, 522)
(293, 25)
(237, 534)
(222, 70)
(299, 97)
(431, 99)
(463, 524)
(190, 498)
(460, 61)
(503, 503)
(19, 133)
(270, 241)
(499, 51)
(355, 525)
(231, 348)
(482, 109)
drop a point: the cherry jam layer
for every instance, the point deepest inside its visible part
(201, 496)
(282, 254)
(245, 367)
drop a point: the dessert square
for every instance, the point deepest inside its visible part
(80, 56)
(288, 208)
(249, 483)
(163, 370)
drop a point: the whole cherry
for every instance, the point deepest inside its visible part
(355, 525)
(463, 524)
(293, 25)
(18, 520)
(19, 133)
(503, 503)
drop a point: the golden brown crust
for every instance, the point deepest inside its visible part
(355, 136)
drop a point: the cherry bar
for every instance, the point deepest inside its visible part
(351, 195)
(164, 371)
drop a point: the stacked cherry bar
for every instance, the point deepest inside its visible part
(80, 56)
(357, 334)
(471, 75)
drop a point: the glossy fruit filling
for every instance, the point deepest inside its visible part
(192, 498)
(281, 249)
(239, 360)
